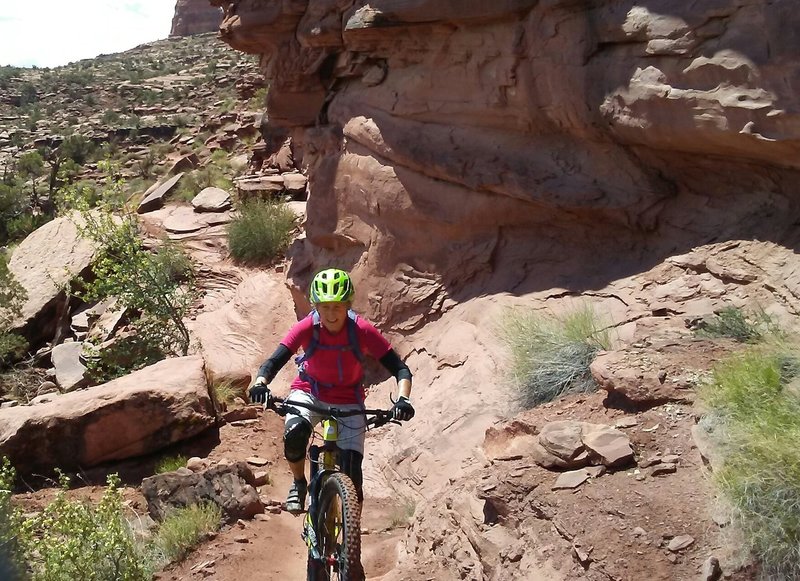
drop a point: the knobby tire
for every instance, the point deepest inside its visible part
(338, 503)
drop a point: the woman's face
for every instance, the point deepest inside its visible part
(333, 315)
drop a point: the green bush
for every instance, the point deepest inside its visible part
(12, 348)
(14, 203)
(741, 326)
(20, 226)
(71, 539)
(12, 298)
(752, 400)
(550, 355)
(184, 528)
(261, 232)
(158, 285)
(170, 464)
(259, 99)
(12, 556)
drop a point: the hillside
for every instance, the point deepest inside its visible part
(163, 92)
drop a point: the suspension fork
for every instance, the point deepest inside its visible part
(328, 451)
(318, 469)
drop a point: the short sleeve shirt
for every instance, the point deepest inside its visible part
(338, 372)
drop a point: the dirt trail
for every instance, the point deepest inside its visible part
(270, 547)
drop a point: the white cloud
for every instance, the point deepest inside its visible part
(50, 33)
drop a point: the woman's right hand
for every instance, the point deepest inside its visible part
(259, 392)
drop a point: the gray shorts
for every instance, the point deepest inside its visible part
(352, 429)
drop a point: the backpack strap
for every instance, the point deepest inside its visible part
(352, 337)
(352, 334)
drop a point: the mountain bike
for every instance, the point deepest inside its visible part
(332, 525)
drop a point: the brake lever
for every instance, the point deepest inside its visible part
(270, 404)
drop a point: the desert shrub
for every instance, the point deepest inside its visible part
(216, 173)
(75, 539)
(139, 349)
(225, 392)
(740, 325)
(14, 202)
(259, 99)
(73, 196)
(752, 400)
(12, 556)
(7, 73)
(12, 299)
(550, 355)
(28, 93)
(184, 528)
(170, 464)
(72, 539)
(110, 117)
(261, 232)
(158, 285)
(20, 226)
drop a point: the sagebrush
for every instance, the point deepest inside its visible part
(744, 326)
(261, 231)
(756, 405)
(74, 539)
(551, 354)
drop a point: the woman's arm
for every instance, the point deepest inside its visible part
(397, 367)
(270, 368)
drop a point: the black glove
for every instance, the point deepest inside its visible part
(402, 410)
(259, 393)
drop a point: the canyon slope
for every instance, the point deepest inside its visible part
(468, 156)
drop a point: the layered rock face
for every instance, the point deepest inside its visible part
(194, 17)
(458, 149)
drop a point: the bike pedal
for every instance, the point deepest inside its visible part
(295, 509)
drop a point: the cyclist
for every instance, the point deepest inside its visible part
(334, 341)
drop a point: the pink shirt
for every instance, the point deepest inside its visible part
(335, 367)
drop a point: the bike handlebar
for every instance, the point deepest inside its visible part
(379, 417)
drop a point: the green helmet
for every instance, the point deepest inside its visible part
(331, 285)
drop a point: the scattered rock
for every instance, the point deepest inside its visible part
(662, 469)
(711, 570)
(212, 199)
(155, 199)
(244, 413)
(70, 371)
(228, 486)
(612, 446)
(571, 479)
(626, 423)
(679, 543)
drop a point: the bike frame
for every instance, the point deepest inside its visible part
(319, 471)
(323, 467)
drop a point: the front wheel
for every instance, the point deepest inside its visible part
(338, 527)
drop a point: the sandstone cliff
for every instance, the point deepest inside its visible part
(194, 17)
(463, 156)
(456, 149)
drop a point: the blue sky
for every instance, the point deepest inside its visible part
(49, 33)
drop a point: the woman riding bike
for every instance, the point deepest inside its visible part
(335, 341)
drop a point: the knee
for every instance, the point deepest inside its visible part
(351, 465)
(295, 439)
